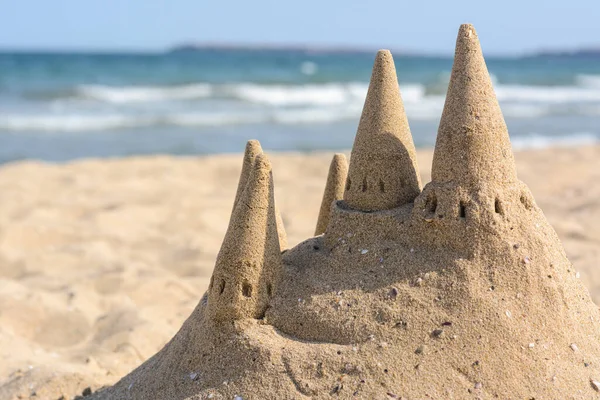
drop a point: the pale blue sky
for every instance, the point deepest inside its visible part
(504, 26)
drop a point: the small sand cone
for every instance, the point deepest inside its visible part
(253, 149)
(383, 168)
(472, 142)
(334, 190)
(250, 256)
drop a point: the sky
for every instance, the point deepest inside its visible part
(504, 26)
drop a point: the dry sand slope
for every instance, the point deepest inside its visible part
(102, 261)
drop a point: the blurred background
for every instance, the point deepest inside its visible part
(113, 78)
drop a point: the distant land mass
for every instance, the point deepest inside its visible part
(317, 49)
(191, 47)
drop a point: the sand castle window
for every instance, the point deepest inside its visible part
(365, 185)
(348, 184)
(525, 201)
(246, 289)
(462, 210)
(431, 205)
(222, 287)
(269, 289)
(381, 186)
(498, 207)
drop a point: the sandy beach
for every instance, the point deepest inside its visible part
(102, 260)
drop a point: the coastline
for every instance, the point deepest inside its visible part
(102, 259)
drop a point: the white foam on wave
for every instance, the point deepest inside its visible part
(294, 116)
(590, 81)
(538, 141)
(86, 123)
(284, 117)
(519, 101)
(133, 94)
(250, 103)
(68, 123)
(525, 99)
(413, 92)
(427, 108)
(524, 110)
(315, 115)
(326, 94)
(294, 95)
(83, 123)
(547, 94)
(212, 119)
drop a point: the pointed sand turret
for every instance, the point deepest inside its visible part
(253, 149)
(334, 190)
(383, 168)
(472, 143)
(250, 256)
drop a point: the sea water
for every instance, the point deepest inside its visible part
(62, 106)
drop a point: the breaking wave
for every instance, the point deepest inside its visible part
(133, 94)
(586, 89)
(537, 141)
(80, 122)
(102, 107)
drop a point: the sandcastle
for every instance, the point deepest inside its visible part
(460, 289)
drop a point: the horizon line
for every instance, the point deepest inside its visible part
(309, 48)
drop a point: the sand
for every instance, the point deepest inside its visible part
(466, 293)
(334, 190)
(459, 290)
(103, 260)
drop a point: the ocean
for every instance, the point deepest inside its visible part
(64, 106)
